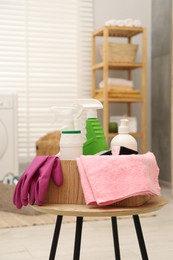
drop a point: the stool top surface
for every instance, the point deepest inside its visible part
(151, 205)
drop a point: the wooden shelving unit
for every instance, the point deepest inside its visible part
(105, 95)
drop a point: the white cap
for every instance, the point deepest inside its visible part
(124, 126)
(91, 113)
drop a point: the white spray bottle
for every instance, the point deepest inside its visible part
(71, 142)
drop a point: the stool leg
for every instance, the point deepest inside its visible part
(140, 237)
(79, 222)
(55, 237)
(115, 238)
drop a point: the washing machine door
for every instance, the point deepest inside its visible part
(3, 139)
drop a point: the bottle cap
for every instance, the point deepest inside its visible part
(124, 126)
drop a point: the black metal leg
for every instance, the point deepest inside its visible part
(140, 237)
(79, 222)
(115, 238)
(55, 237)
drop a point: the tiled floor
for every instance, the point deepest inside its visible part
(34, 242)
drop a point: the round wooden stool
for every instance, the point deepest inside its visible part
(81, 211)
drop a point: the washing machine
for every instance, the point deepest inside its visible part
(8, 135)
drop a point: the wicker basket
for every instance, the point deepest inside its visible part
(48, 144)
(121, 52)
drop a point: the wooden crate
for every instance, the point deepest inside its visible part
(71, 190)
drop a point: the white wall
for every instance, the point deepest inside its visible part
(136, 9)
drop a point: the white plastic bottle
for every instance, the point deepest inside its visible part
(123, 138)
(71, 144)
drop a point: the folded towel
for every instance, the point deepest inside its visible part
(137, 23)
(129, 22)
(32, 186)
(118, 23)
(109, 22)
(118, 82)
(109, 179)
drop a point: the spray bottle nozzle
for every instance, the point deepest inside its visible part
(75, 112)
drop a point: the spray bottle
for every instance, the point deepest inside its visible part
(71, 142)
(91, 128)
(123, 138)
(81, 115)
(95, 138)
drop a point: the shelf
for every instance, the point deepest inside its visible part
(117, 66)
(109, 94)
(119, 96)
(117, 31)
(118, 100)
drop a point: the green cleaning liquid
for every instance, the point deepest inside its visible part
(96, 141)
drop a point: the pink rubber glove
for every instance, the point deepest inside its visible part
(52, 169)
(33, 184)
(31, 192)
(43, 180)
(57, 175)
(38, 161)
(27, 177)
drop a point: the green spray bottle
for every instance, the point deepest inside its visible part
(95, 138)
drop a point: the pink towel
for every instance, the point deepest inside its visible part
(109, 179)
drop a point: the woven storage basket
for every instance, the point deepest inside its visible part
(48, 144)
(121, 52)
